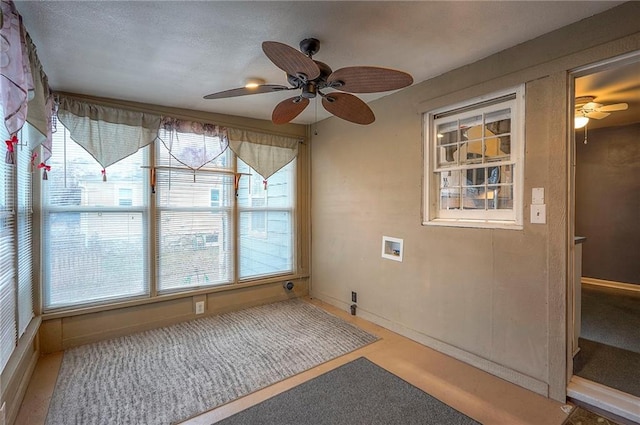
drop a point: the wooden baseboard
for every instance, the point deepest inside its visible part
(610, 284)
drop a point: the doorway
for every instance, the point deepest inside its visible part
(604, 353)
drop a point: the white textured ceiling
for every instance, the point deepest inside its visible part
(173, 53)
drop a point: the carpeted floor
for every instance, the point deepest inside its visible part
(610, 338)
(170, 374)
(611, 317)
(610, 366)
(358, 392)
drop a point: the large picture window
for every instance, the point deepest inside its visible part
(473, 162)
(219, 224)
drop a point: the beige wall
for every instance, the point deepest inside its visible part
(59, 332)
(494, 298)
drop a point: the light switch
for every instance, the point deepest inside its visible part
(539, 214)
(537, 195)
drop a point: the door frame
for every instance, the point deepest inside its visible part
(609, 399)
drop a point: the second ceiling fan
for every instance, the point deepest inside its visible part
(311, 77)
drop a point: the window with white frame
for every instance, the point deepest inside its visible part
(98, 235)
(266, 214)
(94, 231)
(474, 162)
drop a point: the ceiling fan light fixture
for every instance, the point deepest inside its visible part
(580, 121)
(311, 76)
(252, 83)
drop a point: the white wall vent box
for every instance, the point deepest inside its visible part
(392, 248)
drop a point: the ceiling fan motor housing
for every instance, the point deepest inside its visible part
(310, 46)
(309, 90)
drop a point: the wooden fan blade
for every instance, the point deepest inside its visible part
(243, 91)
(348, 107)
(290, 60)
(368, 79)
(597, 115)
(614, 107)
(288, 109)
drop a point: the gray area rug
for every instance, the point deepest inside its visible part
(167, 375)
(358, 392)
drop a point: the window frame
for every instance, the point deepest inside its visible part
(514, 99)
(85, 213)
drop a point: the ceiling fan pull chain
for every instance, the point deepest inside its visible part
(585, 135)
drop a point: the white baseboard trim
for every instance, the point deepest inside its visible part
(474, 360)
(605, 398)
(610, 284)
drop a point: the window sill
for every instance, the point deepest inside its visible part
(478, 224)
(76, 311)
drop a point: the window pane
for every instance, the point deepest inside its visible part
(266, 243)
(195, 229)
(195, 249)
(498, 123)
(94, 256)
(450, 190)
(447, 139)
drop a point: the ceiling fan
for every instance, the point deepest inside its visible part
(587, 108)
(313, 78)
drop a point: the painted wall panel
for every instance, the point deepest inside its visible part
(497, 295)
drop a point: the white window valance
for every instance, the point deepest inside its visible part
(265, 153)
(109, 134)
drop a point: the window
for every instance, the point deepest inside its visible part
(266, 221)
(217, 225)
(195, 231)
(474, 162)
(94, 231)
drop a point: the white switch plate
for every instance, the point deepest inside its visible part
(539, 214)
(537, 195)
(200, 307)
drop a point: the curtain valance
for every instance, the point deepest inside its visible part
(192, 143)
(24, 89)
(41, 106)
(16, 81)
(108, 134)
(265, 153)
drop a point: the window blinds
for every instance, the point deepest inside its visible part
(8, 329)
(24, 236)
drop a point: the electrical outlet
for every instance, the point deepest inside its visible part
(200, 307)
(354, 297)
